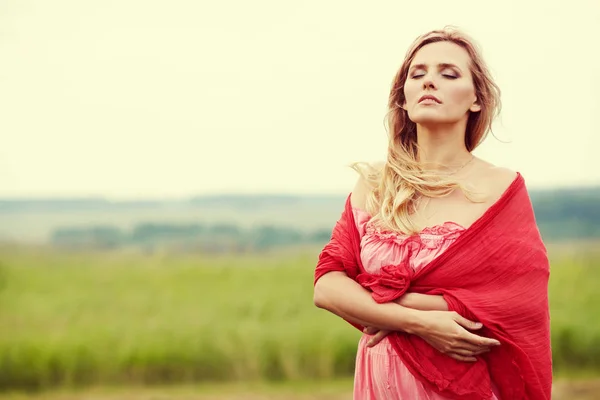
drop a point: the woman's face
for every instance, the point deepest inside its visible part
(440, 70)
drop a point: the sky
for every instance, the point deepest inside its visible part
(133, 99)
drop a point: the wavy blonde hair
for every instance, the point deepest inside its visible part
(396, 188)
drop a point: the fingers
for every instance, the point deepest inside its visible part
(468, 346)
(466, 355)
(470, 353)
(378, 337)
(467, 323)
(479, 341)
(471, 347)
(370, 330)
(462, 358)
(481, 351)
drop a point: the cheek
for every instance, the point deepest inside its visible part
(462, 93)
(411, 91)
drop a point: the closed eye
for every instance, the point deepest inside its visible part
(448, 76)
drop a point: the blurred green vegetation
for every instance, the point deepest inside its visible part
(80, 318)
(562, 214)
(217, 238)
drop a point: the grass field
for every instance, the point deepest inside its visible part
(74, 320)
(330, 390)
(334, 390)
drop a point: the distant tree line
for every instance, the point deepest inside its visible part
(568, 214)
(561, 215)
(214, 238)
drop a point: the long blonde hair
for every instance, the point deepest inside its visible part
(403, 180)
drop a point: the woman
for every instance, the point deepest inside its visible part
(437, 257)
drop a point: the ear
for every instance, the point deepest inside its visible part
(475, 107)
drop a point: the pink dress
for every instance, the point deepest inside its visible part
(379, 372)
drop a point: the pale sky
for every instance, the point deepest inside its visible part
(166, 99)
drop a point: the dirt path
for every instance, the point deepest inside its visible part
(577, 390)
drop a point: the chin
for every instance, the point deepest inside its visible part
(429, 119)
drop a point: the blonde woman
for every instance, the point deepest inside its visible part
(437, 257)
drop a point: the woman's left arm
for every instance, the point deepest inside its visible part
(417, 301)
(423, 302)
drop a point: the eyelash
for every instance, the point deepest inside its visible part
(445, 75)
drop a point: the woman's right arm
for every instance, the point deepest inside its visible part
(346, 298)
(444, 330)
(337, 293)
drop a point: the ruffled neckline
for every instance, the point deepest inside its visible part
(447, 231)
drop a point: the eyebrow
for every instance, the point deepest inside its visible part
(440, 66)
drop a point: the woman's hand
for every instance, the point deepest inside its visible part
(445, 331)
(378, 335)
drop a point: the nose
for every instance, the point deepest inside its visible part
(428, 83)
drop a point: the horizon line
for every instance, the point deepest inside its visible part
(230, 194)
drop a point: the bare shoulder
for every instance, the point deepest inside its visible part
(501, 178)
(363, 186)
(495, 179)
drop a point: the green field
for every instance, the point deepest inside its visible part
(81, 319)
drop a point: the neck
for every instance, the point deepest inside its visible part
(442, 145)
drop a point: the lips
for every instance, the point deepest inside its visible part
(430, 97)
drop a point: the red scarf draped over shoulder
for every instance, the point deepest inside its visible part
(496, 273)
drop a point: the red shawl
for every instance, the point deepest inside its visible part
(496, 273)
